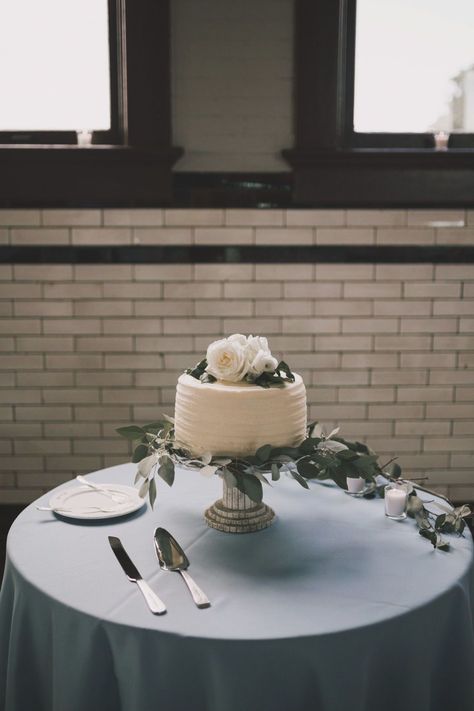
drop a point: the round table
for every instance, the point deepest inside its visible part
(334, 607)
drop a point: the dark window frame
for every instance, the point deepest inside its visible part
(332, 165)
(135, 168)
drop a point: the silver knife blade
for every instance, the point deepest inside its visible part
(123, 558)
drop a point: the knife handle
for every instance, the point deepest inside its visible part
(199, 597)
(152, 600)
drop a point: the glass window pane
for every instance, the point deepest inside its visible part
(54, 65)
(414, 68)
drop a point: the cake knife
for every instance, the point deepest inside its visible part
(153, 601)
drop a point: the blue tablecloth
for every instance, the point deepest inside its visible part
(334, 607)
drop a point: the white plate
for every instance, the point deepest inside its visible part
(84, 502)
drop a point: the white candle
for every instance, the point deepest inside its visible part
(84, 138)
(441, 141)
(395, 502)
(355, 486)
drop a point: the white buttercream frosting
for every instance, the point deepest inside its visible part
(238, 418)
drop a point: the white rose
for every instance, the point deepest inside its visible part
(263, 362)
(238, 338)
(256, 344)
(227, 360)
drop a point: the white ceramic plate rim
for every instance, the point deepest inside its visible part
(60, 500)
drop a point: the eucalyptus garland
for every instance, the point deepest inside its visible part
(319, 457)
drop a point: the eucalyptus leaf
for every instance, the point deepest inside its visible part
(301, 480)
(131, 432)
(143, 490)
(147, 464)
(275, 472)
(306, 468)
(166, 469)
(263, 453)
(332, 445)
(252, 487)
(154, 427)
(229, 478)
(152, 492)
(315, 430)
(429, 534)
(285, 368)
(207, 470)
(395, 470)
(414, 505)
(309, 444)
(221, 461)
(139, 453)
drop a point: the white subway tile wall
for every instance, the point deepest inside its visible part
(387, 351)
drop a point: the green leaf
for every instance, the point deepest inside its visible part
(252, 487)
(275, 472)
(285, 368)
(152, 492)
(348, 455)
(138, 476)
(144, 489)
(301, 480)
(395, 470)
(339, 476)
(140, 453)
(166, 469)
(131, 432)
(306, 468)
(459, 526)
(229, 478)
(415, 505)
(207, 378)
(263, 453)
(154, 427)
(309, 444)
(198, 369)
(430, 535)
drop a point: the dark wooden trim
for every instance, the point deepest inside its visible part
(260, 190)
(333, 166)
(235, 254)
(139, 171)
(98, 176)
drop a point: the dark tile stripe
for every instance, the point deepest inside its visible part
(238, 254)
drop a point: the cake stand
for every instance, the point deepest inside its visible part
(236, 513)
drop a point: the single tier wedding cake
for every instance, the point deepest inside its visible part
(238, 399)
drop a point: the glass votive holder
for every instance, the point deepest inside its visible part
(396, 500)
(355, 486)
(441, 140)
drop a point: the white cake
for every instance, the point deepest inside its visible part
(236, 418)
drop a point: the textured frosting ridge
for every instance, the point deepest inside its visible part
(237, 418)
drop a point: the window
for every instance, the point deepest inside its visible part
(106, 70)
(365, 115)
(414, 71)
(52, 88)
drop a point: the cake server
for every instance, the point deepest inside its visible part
(153, 601)
(172, 557)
